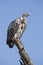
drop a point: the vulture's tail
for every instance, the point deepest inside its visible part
(10, 43)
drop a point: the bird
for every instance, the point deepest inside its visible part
(13, 27)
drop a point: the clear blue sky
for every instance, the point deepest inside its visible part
(32, 37)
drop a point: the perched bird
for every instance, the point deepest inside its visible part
(16, 28)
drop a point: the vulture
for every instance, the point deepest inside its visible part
(13, 27)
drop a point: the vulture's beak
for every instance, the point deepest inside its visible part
(26, 15)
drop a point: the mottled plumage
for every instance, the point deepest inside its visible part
(12, 29)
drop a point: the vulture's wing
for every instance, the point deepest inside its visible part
(12, 29)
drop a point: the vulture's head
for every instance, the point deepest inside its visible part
(25, 15)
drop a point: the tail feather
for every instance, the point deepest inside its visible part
(10, 43)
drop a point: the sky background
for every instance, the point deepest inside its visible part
(33, 35)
